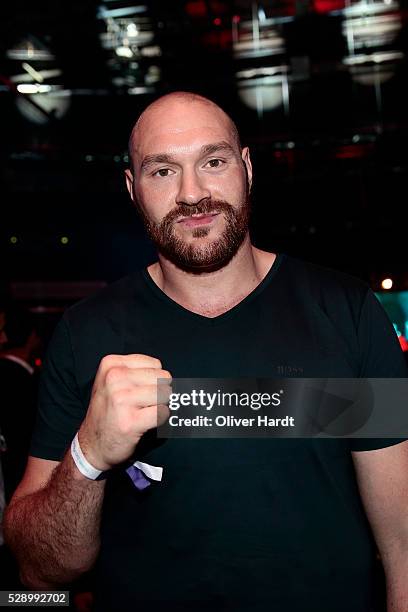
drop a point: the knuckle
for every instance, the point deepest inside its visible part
(165, 374)
(153, 361)
(137, 356)
(113, 375)
(106, 361)
(156, 363)
(120, 398)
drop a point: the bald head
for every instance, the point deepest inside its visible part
(175, 109)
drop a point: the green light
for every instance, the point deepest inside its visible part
(64, 240)
(13, 239)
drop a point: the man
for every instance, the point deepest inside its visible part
(18, 385)
(18, 389)
(234, 524)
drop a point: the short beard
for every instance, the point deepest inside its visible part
(215, 255)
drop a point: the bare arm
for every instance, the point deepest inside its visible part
(52, 522)
(382, 476)
(54, 531)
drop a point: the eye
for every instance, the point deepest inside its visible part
(162, 172)
(215, 163)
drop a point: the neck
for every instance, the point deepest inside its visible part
(213, 293)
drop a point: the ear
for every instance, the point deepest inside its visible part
(129, 182)
(246, 158)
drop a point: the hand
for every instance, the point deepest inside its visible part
(124, 405)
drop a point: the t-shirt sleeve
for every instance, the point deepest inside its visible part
(380, 356)
(60, 408)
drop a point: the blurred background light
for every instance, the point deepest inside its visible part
(259, 49)
(127, 35)
(387, 283)
(371, 28)
(317, 88)
(41, 96)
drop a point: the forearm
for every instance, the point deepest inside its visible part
(397, 590)
(396, 574)
(54, 532)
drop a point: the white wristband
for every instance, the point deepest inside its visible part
(81, 462)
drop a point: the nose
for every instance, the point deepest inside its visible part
(192, 189)
(3, 337)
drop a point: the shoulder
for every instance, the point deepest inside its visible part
(334, 293)
(90, 329)
(107, 302)
(323, 277)
(96, 325)
(323, 281)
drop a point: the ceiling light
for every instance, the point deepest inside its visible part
(124, 51)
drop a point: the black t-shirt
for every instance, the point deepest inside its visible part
(235, 524)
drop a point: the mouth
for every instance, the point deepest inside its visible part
(198, 219)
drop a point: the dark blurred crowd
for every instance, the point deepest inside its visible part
(19, 344)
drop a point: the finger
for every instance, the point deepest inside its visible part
(134, 360)
(141, 396)
(120, 376)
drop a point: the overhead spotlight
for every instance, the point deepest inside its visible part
(37, 81)
(128, 35)
(256, 40)
(259, 48)
(46, 105)
(387, 283)
(124, 51)
(132, 30)
(151, 51)
(261, 14)
(263, 89)
(370, 29)
(30, 48)
(32, 88)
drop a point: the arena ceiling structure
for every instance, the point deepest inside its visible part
(318, 88)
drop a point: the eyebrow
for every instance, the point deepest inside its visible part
(164, 158)
(216, 147)
(156, 158)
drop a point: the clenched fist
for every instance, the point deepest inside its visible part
(124, 405)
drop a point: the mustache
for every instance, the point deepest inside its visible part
(204, 207)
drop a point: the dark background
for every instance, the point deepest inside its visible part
(330, 165)
(330, 172)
